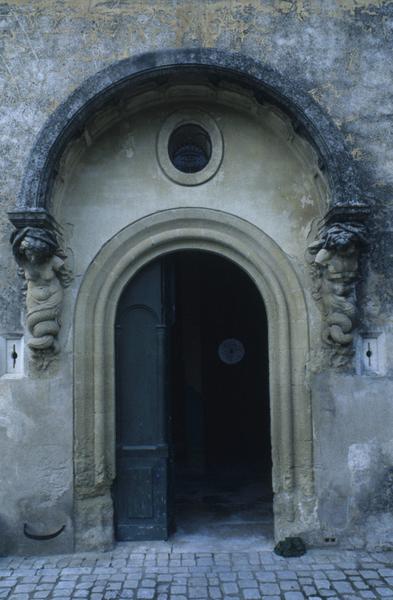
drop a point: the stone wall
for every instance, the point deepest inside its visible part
(337, 51)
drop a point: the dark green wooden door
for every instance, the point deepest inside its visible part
(142, 495)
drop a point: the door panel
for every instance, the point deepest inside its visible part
(141, 486)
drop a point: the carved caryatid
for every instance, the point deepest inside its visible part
(335, 257)
(38, 254)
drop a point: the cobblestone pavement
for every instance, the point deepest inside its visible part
(158, 572)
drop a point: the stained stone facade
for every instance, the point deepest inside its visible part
(296, 97)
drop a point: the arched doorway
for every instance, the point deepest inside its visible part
(193, 449)
(94, 362)
(245, 220)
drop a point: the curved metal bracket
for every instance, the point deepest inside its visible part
(48, 536)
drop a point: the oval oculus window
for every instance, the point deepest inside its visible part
(189, 148)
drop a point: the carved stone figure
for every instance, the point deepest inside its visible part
(37, 252)
(335, 256)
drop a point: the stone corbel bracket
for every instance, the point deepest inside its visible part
(335, 268)
(35, 245)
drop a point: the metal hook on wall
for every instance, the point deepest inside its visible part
(48, 536)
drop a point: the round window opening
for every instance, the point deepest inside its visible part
(189, 148)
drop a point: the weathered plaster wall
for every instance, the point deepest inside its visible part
(350, 417)
(339, 51)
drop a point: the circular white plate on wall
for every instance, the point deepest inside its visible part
(231, 351)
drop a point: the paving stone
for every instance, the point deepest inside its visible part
(84, 585)
(368, 574)
(196, 582)
(124, 574)
(384, 592)
(76, 571)
(267, 576)
(146, 593)
(322, 584)
(178, 589)
(360, 585)
(289, 585)
(164, 577)
(269, 588)
(335, 575)
(374, 582)
(317, 574)
(147, 583)
(197, 592)
(230, 588)
(65, 584)
(386, 572)
(247, 583)
(343, 587)
(227, 576)
(251, 594)
(286, 575)
(205, 561)
(24, 588)
(114, 585)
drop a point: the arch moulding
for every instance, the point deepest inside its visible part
(94, 370)
(33, 206)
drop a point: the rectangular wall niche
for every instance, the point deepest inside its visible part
(370, 352)
(11, 355)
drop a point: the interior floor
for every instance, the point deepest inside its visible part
(220, 412)
(234, 508)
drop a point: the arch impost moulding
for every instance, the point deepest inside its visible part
(94, 388)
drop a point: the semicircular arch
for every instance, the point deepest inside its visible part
(263, 82)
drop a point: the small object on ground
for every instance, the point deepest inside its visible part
(291, 546)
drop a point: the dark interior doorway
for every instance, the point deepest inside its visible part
(220, 402)
(193, 448)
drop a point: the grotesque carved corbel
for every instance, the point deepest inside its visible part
(335, 258)
(38, 254)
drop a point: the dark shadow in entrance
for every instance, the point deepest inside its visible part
(220, 404)
(192, 416)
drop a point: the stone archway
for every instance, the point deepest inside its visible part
(196, 228)
(94, 395)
